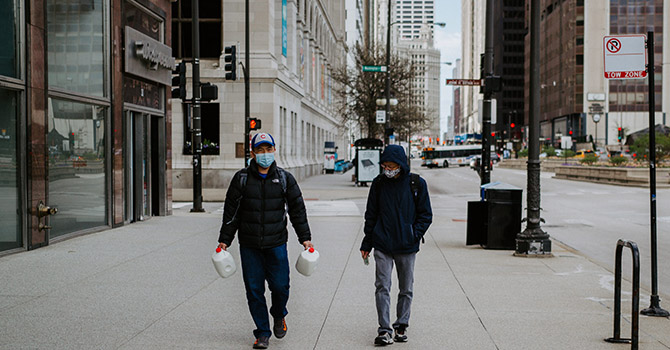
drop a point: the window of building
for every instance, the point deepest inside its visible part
(9, 55)
(210, 29)
(76, 46)
(209, 124)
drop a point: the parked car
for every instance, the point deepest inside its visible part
(584, 152)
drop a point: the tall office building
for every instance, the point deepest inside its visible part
(414, 38)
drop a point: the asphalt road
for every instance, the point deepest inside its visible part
(587, 217)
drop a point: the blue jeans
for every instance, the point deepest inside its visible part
(258, 266)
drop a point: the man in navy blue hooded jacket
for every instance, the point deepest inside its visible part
(397, 216)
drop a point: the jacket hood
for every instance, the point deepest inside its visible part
(396, 154)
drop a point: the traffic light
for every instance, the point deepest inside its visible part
(230, 58)
(179, 81)
(512, 125)
(620, 134)
(570, 132)
(208, 92)
(254, 124)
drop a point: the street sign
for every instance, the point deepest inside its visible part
(464, 82)
(381, 117)
(625, 56)
(374, 68)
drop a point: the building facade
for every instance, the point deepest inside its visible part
(83, 125)
(573, 87)
(294, 45)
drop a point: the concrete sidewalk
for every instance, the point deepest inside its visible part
(151, 285)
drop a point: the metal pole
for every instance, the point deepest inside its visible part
(387, 125)
(533, 241)
(655, 308)
(485, 169)
(197, 132)
(247, 111)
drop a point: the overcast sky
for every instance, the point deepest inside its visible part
(448, 41)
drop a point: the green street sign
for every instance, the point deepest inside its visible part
(374, 68)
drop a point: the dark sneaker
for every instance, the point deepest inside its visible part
(279, 328)
(400, 335)
(262, 342)
(384, 339)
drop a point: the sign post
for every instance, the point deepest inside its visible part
(625, 57)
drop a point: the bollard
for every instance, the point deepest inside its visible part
(635, 312)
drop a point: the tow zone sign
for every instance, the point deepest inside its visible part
(625, 56)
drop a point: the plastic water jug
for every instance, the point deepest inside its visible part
(307, 261)
(223, 263)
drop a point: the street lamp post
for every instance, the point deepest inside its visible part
(533, 241)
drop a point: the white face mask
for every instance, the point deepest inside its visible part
(391, 173)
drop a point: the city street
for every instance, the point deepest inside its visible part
(151, 285)
(587, 217)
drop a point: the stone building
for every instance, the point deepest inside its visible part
(294, 46)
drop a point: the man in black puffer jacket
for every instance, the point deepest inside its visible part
(397, 216)
(257, 201)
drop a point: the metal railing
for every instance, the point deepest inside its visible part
(635, 312)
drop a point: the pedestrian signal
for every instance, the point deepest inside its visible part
(254, 124)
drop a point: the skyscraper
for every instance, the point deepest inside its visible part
(414, 20)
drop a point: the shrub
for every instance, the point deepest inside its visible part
(550, 151)
(618, 160)
(568, 153)
(589, 159)
(523, 152)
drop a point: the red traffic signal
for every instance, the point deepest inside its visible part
(254, 124)
(570, 132)
(493, 134)
(512, 125)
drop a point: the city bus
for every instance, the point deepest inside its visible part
(444, 156)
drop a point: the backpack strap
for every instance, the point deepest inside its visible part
(243, 178)
(281, 175)
(415, 184)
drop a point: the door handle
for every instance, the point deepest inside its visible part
(44, 210)
(43, 227)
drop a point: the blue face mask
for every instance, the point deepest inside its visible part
(264, 160)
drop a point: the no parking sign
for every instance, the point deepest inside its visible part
(625, 56)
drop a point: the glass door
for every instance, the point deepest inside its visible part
(76, 158)
(138, 166)
(10, 223)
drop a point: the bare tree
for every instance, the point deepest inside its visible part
(356, 93)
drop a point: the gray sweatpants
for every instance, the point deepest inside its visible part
(384, 269)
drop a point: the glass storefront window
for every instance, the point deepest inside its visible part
(10, 230)
(76, 143)
(76, 33)
(8, 39)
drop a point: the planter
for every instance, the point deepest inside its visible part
(617, 176)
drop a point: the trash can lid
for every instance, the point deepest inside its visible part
(499, 186)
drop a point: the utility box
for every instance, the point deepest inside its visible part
(495, 220)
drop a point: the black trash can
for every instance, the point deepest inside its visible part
(495, 221)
